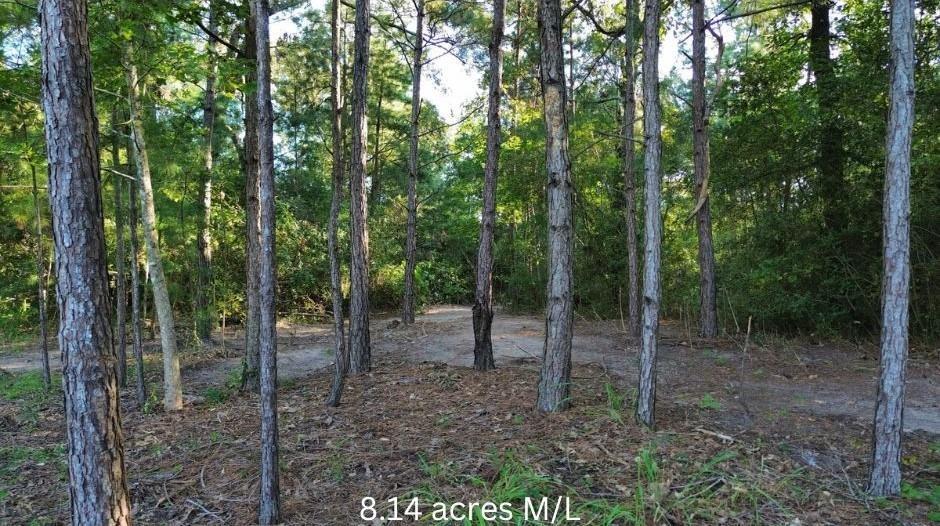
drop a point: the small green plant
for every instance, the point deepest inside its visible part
(709, 402)
(152, 403)
(615, 403)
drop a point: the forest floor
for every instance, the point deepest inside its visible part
(749, 430)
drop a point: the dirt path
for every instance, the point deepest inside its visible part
(768, 379)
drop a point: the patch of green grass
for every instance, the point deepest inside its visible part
(29, 393)
(12, 459)
(438, 471)
(929, 494)
(215, 395)
(616, 403)
(709, 402)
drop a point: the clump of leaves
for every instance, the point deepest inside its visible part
(709, 402)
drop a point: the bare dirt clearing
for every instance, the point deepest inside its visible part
(772, 435)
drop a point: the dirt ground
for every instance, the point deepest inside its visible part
(749, 431)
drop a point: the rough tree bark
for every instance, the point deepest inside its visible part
(172, 386)
(136, 328)
(411, 230)
(708, 303)
(270, 510)
(653, 224)
(555, 378)
(98, 487)
(120, 279)
(483, 298)
(336, 277)
(252, 360)
(42, 284)
(885, 476)
(360, 352)
(628, 100)
(204, 321)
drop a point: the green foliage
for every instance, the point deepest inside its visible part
(776, 262)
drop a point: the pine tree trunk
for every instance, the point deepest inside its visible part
(483, 298)
(708, 304)
(653, 225)
(270, 509)
(95, 455)
(120, 279)
(336, 277)
(375, 191)
(172, 386)
(41, 287)
(628, 98)
(136, 328)
(885, 476)
(360, 352)
(830, 158)
(555, 379)
(411, 230)
(252, 363)
(204, 319)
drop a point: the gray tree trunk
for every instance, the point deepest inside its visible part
(136, 328)
(204, 320)
(483, 298)
(336, 277)
(270, 509)
(42, 284)
(120, 279)
(360, 352)
(252, 363)
(411, 230)
(555, 379)
(95, 456)
(885, 476)
(708, 303)
(172, 385)
(653, 225)
(628, 99)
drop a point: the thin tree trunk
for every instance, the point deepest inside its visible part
(360, 352)
(252, 363)
(336, 277)
(136, 328)
(120, 280)
(270, 508)
(172, 386)
(653, 226)
(555, 379)
(708, 304)
(628, 98)
(375, 191)
(483, 298)
(41, 287)
(95, 455)
(516, 60)
(204, 319)
(885, 476)
(411, 231)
